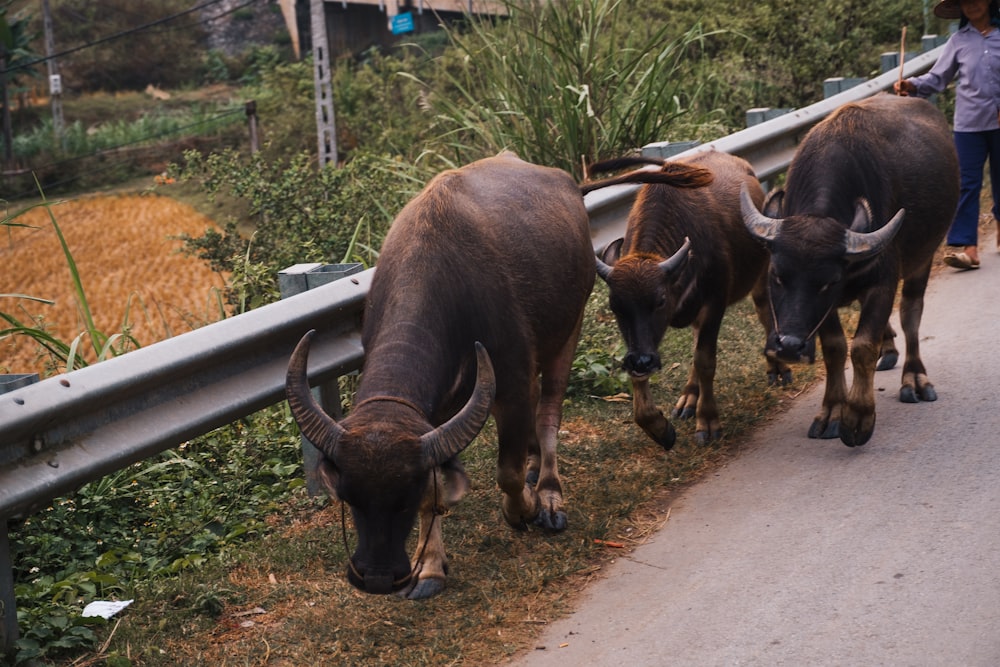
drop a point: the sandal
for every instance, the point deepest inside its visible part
(959, 259)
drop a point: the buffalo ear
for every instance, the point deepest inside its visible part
(774, 203)
(608, 257)
(329, 478)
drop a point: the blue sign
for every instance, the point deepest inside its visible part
(401, 23)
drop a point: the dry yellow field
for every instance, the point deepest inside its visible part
(129, 267)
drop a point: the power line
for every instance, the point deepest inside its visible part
(126, 33)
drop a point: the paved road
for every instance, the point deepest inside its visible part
(806, 552)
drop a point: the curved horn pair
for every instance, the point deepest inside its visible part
(667, 266)
(438, 445)
(859, 245)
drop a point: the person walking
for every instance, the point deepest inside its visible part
(972, 55)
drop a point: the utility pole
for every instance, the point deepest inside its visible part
(326, 128)
(55, 81)
(8, 131)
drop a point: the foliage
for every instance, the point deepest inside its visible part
(15, 45)
(818, 41)
(121, 536)
(562, 82)
(298, 214)
(166, 55)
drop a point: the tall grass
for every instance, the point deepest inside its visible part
(564, 83)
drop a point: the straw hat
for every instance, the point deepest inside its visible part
(950, 9)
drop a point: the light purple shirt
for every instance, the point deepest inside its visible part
(976, 61)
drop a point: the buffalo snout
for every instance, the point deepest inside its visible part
(641, 364)
(376, 582)
(791, 349)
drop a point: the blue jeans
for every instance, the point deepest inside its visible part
(973, 149)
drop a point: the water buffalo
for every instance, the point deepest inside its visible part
(868, 199)
(686, 256)
(480, 288)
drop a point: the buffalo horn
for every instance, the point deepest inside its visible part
(676, 261)
(317, 427)
(608, 257)
(447, 440)
(759, 225)
(862, 246)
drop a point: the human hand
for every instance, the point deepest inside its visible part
(903, 88)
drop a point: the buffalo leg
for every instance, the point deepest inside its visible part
(555, 379)
(916, 386)
(826, 424)
(649, 417)
(888, 355)
(447, 485)
(858, 418)
(516, 437)
(701, 382)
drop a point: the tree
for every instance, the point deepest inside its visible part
(15, 62)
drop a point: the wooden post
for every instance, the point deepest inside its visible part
(251, 111)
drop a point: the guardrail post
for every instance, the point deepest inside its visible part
(665, 149)
(8, 602)
(295, 280)
(838, 84)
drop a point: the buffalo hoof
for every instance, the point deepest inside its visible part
(853, 438)
(665, 438)
(910, 394)
(423, 589)
(702, 438)
(887, 361)
(823, 430)
(555, 522)
(531, 479)
(783, 379)
(686, 413)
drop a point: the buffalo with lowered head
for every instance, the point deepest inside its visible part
(685, 257)
(868, 199)
(475, 308)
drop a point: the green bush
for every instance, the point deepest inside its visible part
(562, 83)
(297, 214)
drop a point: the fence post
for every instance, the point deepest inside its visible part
(251, 111)
(8, 602)
(295, 280)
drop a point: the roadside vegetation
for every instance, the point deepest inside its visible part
(226, 556)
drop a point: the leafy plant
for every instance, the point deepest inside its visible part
(122, 536)
(562, 83)
(297, 214)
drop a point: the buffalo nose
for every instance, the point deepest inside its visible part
(795, 349)
(641, 364)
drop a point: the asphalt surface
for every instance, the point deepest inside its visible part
(806, 552)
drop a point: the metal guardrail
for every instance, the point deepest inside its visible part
(67, 430)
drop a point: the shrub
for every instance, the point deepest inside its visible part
(297, 214)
